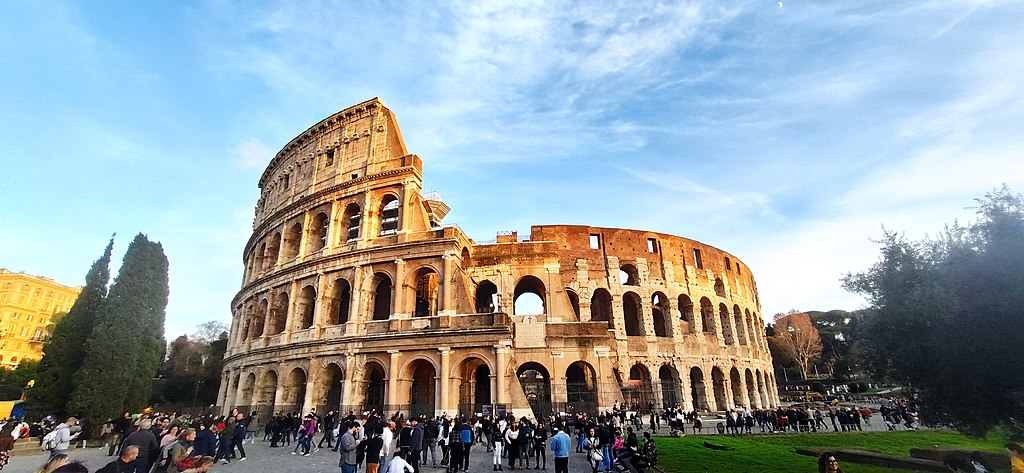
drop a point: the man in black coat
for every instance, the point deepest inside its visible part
(123, 464)
(149, 447)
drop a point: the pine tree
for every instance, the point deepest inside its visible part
(64, 353)
(126, 343)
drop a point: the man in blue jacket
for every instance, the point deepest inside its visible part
(560, 446)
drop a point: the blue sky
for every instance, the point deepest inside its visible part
(787, 135)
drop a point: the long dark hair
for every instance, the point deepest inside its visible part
(823, 462)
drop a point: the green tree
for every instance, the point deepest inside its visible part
(126, 344)
(14, 380)
(947, 314)
(64, 353)
(190, 375)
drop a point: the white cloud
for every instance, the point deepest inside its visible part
(251, 153)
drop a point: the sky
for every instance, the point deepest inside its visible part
(789, 134)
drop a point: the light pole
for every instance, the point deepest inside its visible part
(196, 394)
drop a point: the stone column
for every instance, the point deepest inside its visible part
(289, 320)
(393, 380)
(552, 285)
(304, 239)
(447, 287)
(501, 353)
(445, 377)
(685, 396)
(222, 393)
(398, 296)
(312, 373)
(334, 238)
(743, 391)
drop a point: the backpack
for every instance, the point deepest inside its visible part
(50, 440)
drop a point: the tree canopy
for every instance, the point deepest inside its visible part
(795, 341)
(947, 314)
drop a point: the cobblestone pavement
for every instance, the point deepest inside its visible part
(262, 458)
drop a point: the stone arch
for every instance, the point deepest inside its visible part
(382, 289)
(736, 383)
(741, 326)
(374, 386)
(318, 232)
(719, 287)
(698, 390)
(529, 285)
(279, 313)
(245, 391)
(535, 379)
(707, 316)
(686, 314)
(660, 311)
(266, 394)
(273, 252)
(474, 384)
(485, 292)
(305, 307)
(574, 302)
(671, 386)
(293, 241)
(341, 302)
(628, 275)
(389, 209)
(259, 260)
(294, 393)
(718, 386)
(581, 387)
(723, 316)
(260, 318)
(352, 219)
(639, 390)
(601, 306)
(331, 388)
(632, 316)
(421, 374)
(753, 401)
(426, 282)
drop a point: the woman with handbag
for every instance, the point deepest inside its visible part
(593, 448)
(180, 454)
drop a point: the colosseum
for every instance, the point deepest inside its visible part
(356, 296)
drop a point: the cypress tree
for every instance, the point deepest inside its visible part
(64, 353)
(126, 343)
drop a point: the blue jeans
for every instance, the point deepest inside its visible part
(606, 451)
(348, 468)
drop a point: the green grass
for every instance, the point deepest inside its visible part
(777, 453)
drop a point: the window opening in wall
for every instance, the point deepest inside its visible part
(631, 311)
(696, 259)
(382, 298)
(389, 216)
(329, 159)
(284, 182)
(353, 216)
(628, 275)
(719, 288)
(738, 269)
(355, 176)
(595, 242)
(652, 245)
(528, 297)
(728, 264)
(426, 295)
(485, 298)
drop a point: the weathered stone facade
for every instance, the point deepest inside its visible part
(355, 296)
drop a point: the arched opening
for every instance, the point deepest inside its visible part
(752, 334)
(631, 313)
(259, 320)
(740, 325)
(628, 275)
(686, 314)
(528, 298)
(341, 301)
(279, 313)
(475, 386)
(381, 296)
(466, 260)
(426, 293)
(332, 388)
(258, 259)
(760, 389)
(273, 252)
(294, 391)
(662, 326)
(639, 390)
(723, 315)
(707, 316)
(718, 383)
(698, 390)
(373, 386)
(485, 300)
(574, 302)
(536, 383)
(581, 387)
(421, 391)
(736, 383)
(267, 391)
(293, 241)
(318, 232)
(389, 215)
(671, 387)
(247, 324)
(351, 219)
(306, 307)
(601, 307)
(753, 401)
(719, 287)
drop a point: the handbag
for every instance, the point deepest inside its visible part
(186, 464)
(596, 456)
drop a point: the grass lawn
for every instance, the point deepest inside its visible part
(764, 453)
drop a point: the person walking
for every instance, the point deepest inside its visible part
(347, 445)
(226, 445)
(512, 445)
(430, 433)
(467, 443)
(64, 437)
(374, 445)
(540, 440)
(123, 463)
(497, 439)
(149, 448)
(329, 421)
(454, 447)
(560, 448)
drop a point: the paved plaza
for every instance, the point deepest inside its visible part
(262, 458)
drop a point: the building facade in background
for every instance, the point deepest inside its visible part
(27, 306)
(355, 296)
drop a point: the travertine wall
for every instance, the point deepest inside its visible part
(355, 296)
